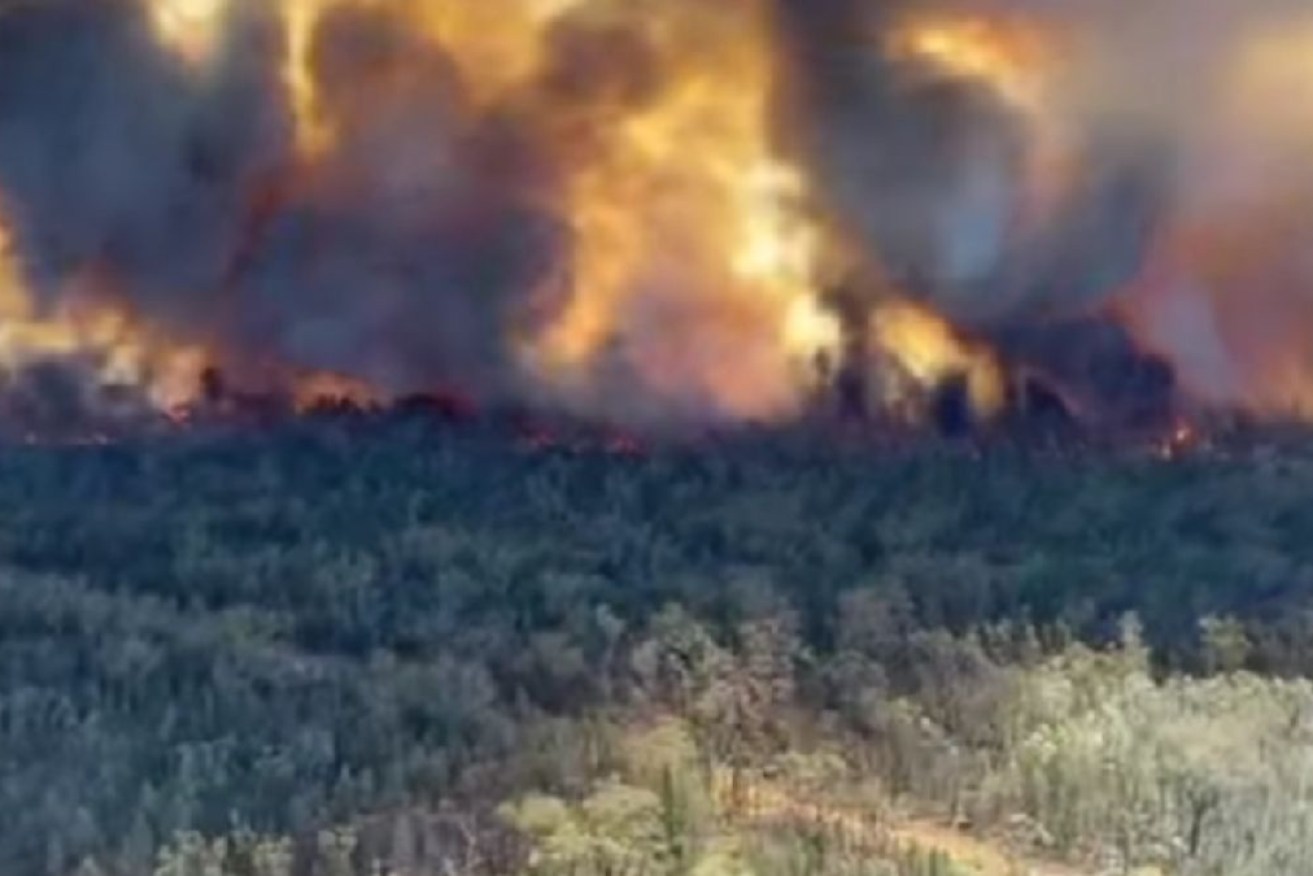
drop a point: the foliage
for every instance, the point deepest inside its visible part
(1200, 776)
(271, 634)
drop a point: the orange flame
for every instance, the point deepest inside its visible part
(694, 259)
(930, 352)
(312, 133)
(312, 390)
(1011, 56)
(693, 252)
(1020, 62)
(189, 27)
(84, 325)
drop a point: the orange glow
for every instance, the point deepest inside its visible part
(120, 351)
(1181, 440)
(86, 325)
(1245, 273)
(693, 265)
(1235, 258)
(695, 255)
(1018, 61)
(312, 133)
(930, 352)
(496, 44)
(319, 388)
(1009, 55)
(692, 248)
(189, 27)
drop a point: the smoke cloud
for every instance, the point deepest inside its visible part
(1224, 87)
(930, 170)
(109, 154)
(1183, 128)
(626, 208)
(398, 259)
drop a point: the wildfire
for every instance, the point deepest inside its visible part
(85, 325)
(119, 351)
(319, 388)
(1011, 56)
(189, 27)
(1019, 62)
(1182, 438)
(1225, 293)
(930, 352)
(692, 251)
(684, 268)
(695, 250)
(694, 257)
(312, 132)
(497, 44)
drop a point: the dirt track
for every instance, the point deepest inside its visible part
(762, 802)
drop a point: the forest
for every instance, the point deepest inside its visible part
(404, 648)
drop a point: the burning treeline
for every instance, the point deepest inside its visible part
(656, 210)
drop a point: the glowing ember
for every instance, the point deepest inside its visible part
(1182, 439)
(322, 388)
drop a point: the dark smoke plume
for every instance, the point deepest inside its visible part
(403, 258)
(926, 172)
(1189, 127)
(109, 153)
(431, 237)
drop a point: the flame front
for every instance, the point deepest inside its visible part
(695, 249)
(88, 327)
(691, 262)
(694, 261)
(598, 183)
(930, 353)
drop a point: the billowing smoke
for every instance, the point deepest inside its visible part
(571, 202)
(931, 170)
(1226, 291)
(109, 155)
(397, 259)
(416, 245)
(1167, 141)
(636, 209)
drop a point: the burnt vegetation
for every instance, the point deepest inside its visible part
(342, 619)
